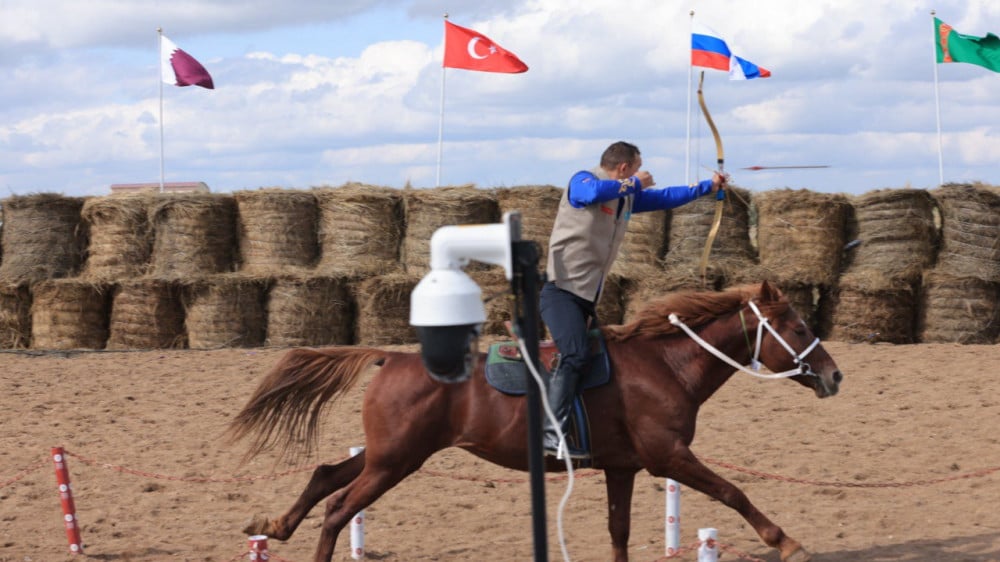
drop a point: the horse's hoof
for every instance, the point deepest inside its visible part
(800, 555)
(258, 525)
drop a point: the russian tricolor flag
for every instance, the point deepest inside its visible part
(710, 51)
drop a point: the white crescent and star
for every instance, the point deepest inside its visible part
(472, 49)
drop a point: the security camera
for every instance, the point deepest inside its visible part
(446, 306)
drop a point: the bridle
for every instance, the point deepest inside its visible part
(754, 370)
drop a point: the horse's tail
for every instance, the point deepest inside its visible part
(286, 407)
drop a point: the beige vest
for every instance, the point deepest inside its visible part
(585, 242)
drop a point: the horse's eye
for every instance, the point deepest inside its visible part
(800, 330)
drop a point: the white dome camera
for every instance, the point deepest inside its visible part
(446, 307)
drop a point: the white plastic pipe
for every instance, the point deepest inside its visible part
(358, 525)
(673, 527)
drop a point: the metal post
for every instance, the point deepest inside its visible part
(526, 281)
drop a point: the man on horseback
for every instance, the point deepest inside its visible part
(589, 228)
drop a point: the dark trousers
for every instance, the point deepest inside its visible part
(568, 318)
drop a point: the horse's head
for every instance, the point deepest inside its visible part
(789, 344)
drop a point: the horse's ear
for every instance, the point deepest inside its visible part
(769, 292)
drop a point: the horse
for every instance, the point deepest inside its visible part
(644, 417)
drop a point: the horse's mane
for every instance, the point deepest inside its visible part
(694, 308)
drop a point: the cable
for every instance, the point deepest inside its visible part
(562, 445)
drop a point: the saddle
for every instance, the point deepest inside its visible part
(507, 372)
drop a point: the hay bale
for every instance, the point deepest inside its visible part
(538, 205)
(801, 235)
(43, 237)
(276, 230)
(430, 209)
(384, 310)
(225, 311)
(970, 231)
(120, 237)
(897, 234)
(146, 314)
(689, 226)
(360, 229)
(69, 314)
(958, 309)
(15, 316)
(311, 311)
(867, 312)
(195, 235)
(644, 244)
(497, 300)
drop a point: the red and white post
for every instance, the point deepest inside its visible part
(258, 548)
(673, 527)
(708, 549)
(66, 498)
(357, 524)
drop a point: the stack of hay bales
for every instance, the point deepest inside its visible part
(69, 314)
(225, 310)
(43, 237)
(732, 255)
(384, 310)
(146, 314)
(120, 236)
(360, 230)
(15, 315)
(645, 242)
(960, 294)
(800, 240)
(538, 205)
(877, 297)
(194, 235)
(312, 311)
(430, 209)
(277, 230)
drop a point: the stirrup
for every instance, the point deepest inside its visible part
(571, 452)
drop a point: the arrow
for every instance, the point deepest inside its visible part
(755, 168)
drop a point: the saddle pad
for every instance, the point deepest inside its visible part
(510, 375)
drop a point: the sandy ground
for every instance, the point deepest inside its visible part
(143, 429)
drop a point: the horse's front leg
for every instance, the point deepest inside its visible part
(326, 479)
(620, 484)
(684, 467)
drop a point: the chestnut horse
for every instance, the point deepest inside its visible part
(644, 418)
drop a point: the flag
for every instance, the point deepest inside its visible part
(952, 46)
(181, 69)
(709, 50)
(471, 50)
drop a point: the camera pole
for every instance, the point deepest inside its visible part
(525, 284)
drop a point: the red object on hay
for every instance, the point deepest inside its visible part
(66, 498)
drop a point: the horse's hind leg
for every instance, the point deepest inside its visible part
(356, 496)
(684, 467)
(326, 479)
(620, 484)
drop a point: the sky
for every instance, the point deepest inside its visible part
(322, 93)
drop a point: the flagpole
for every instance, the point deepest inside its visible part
(687, 152)
(444, 45)
(159, 55)
(937, 102)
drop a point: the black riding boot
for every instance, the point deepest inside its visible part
(562, 391)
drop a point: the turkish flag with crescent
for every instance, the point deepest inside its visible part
(471, 50)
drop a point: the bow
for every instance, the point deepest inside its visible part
(720, 195)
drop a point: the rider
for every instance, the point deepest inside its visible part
(588, 231)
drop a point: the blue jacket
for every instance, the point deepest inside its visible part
(586, 189)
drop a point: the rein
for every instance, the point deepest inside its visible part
(762, 324)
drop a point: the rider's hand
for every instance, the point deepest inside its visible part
(645, 178)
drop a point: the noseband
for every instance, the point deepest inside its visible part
(762, 324)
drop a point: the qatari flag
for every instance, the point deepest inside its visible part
(180, 69)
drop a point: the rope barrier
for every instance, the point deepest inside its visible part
(24, 472)
(837, 484)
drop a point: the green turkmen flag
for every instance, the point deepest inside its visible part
(952, 46)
